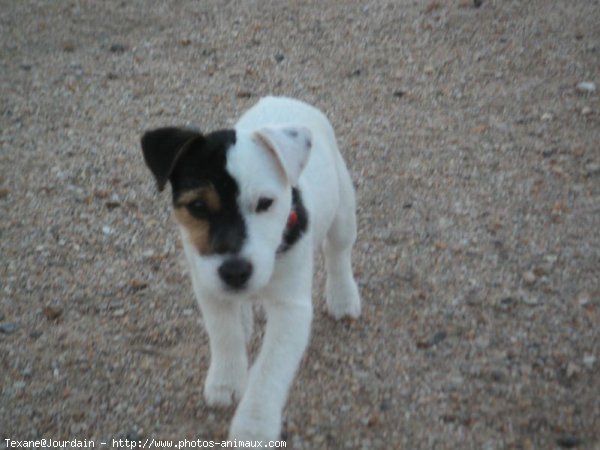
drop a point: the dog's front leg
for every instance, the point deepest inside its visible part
(227, 374)
(288, 328)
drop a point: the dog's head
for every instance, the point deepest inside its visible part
(233, 198)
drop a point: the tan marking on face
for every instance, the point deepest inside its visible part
(197, 230)
(207, 194)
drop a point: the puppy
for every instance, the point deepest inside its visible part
(252, 204)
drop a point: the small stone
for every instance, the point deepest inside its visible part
(572, 370)
(586, 111)
(8, 328)
(507, 302)
(110, 205)
(432, 6)
(568, 441)
(439, 337)
(107, 230)
(589, 360)
(68, 47)
(51, 312)
(373, 420)
(279, 57)
(428, 69)
(35, 334)
(118, 48)
(583, 299)
(592, 168)
(529, 277)
(530, 300)
(120, 312)
(138, 285)
(385, 405)
(547, 117)
(148, 253)
(586, 87)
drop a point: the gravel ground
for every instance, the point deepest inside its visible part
(475, 152)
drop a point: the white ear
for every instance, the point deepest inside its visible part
(291, 146)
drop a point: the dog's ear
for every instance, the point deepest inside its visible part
(291, 147)
(162, 149)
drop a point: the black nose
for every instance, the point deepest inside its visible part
(235, 272)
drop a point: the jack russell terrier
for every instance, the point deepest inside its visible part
(253, 204)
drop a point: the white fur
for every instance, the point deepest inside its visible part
(280, 142)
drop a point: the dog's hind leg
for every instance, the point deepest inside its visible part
(343, 299)
(228, 371)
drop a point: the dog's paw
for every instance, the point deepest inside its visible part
(219, 395)
(255, 427)
(224, 388)
(343, 299)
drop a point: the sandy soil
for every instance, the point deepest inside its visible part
(475, 152)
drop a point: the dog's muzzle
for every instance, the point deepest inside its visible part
(235, 272)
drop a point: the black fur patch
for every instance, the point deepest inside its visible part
(196, 161)
(204, 164)
(293, 233)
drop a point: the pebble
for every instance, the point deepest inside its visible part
(35, 334)
(586, 111)
(583, 299)
(8, 328)
(118, 48)
(529, 277)
(119, 312)
(439, 337)
(589, 360)
(592, 168)
(547, 117)
(568, 441)
(107, 230)
(530, 300)
(572, 370)
(148, 253)
(586, 87)
(51, 312)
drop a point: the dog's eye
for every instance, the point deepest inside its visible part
(197, 208)
(263, 204)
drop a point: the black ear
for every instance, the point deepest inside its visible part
(162, 149)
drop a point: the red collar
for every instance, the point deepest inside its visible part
(292, 219)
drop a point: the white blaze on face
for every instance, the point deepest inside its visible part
(259, 176)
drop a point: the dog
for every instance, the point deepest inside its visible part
(253, 203)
